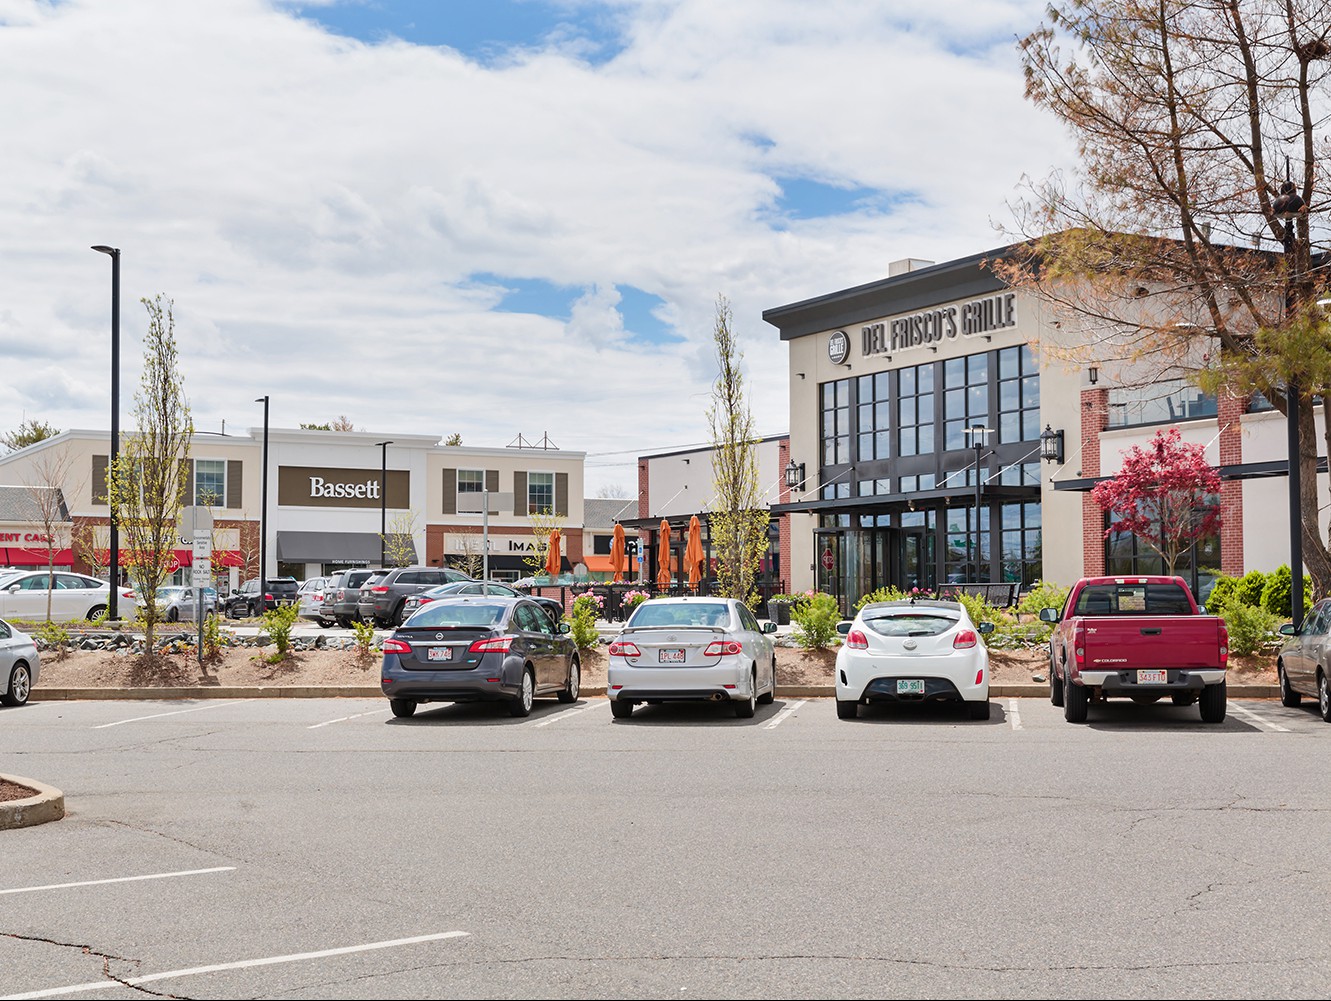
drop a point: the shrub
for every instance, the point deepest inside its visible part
(1276, 593)
(1044, 594)
(590, 601)
(888, 593)
(980, 610)
(55, 637)
(364, 642)
(1224, 592)
(277, 623)
(582, 623)
(815, 621)
(1250, 629)
(632, 599)
(1250, 587)
(212, 638)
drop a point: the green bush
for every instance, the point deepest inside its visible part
(56, 638)
(364, 642)
(212, 637)
(1044, 594)
(1276, 593)
(980, 610)
(277, 623)
(1224, 592)
(888, 593)
(582, 624)
(815, 622)
(1250, 588)
(1250, 629)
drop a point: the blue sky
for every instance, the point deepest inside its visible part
(536, 204)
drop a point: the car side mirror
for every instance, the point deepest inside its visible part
(1201, 609)
(985, 628)
(769, 627)
(13, 588)
(1049, 615)
(1287, 629)
(843, 628)
(564, 628)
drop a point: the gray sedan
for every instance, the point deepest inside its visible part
(178, 603)
(19, 665)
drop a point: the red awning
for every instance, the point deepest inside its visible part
(38, 557)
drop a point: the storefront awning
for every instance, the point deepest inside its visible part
(873, 504)
(1234, 471)
(333, 547)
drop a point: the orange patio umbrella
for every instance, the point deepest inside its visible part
(617, 561)
(663, 556)
(552, 557)
(693, 556)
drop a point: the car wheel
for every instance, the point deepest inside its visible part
(621, 708)
(1288, 697)
(1076, 699)
(344, 621)
(520, 704)
(1183, 699)
(402, 708)
(570, 694)
(20, 685)
(398, 614)
(232, 612)
(769, 697)
(847, 709)
(979, 710)
(1055, 686)
(746, 709)
(1323, 697)
(1212, 703)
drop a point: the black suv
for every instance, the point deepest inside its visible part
(246, 602)
(382, 596)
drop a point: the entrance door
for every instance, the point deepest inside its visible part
(915, 560)
(828, 567)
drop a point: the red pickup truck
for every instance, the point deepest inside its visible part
(1138, 637)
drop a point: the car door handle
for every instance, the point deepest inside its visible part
(1151, 632)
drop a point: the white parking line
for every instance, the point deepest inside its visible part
(102, 985)
(119, 879)
(781, 716)
(175, 712)
(1250, 715)
(1013, 714)
(566, 713)
(343, 719)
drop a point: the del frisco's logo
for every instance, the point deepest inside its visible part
(319, 487)
(838, 346)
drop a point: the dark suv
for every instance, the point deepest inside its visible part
(382, 596)
(246, 602)
(340, 602)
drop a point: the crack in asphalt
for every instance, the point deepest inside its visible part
(106, 957)
(170, 837)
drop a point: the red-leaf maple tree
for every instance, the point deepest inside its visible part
(1164, 495)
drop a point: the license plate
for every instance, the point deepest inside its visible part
(439, 653)
(910, 687)
(673, 656)
(1152, 677)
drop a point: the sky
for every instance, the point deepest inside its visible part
(509, 219)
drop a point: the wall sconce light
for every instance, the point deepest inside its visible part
(1051, 444)
(1092, 375)
(800, 374)
(686, 462)
(795, 475)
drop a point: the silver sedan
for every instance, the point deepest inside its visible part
(19, 665)
(690, 650)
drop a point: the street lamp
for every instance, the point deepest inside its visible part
(1288, 206)
(976, 433)
(795, 475)
(383, 500)
(113, 605)
(1051, 444)
(263, 514)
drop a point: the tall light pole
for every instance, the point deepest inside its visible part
(1288, 206)
(976, 434)
(263, 515)
(383, 500)
(113, 604)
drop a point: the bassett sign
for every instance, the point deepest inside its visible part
(310, 486)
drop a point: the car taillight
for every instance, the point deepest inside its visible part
(499, 644)
(341, 595)
(624, 649)
(979, 676)
(856, 640)
(1079, 644)
(722, 648)
(965, 639)
(267, 597)
(127, 594)
(380, 589)
(396, 646)
(1224, 646)
(423, 601)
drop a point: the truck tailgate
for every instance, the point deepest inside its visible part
(1152, 641)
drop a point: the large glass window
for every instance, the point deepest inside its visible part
(1021, 553)
(1161, 402)
(873, 416)
(471, 481)
(540, 493)
(967, 555)
(965, 397)
(1018, 395)
(210, 482)
(915, 410)
(836, 422)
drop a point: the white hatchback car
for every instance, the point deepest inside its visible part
(692, 650)
(912, 651)
(19, 665)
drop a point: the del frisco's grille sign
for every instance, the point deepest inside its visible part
(979, 316)
(311, 486)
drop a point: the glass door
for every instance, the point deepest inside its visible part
(827, 562)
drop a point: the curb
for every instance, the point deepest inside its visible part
(46, 804)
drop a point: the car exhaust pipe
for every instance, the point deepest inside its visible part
(719, 696)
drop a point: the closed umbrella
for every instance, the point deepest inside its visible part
(663, 555)
(617, 561)
(552, 557)
(693, 552)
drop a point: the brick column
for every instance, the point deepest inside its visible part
(1229, 414)
(1094, 419)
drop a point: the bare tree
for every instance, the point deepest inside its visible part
(147, 481)
(471, 560)
(399, 547)
(45, 488)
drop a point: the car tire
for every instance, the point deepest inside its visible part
(1323, 697)
(1288, 697)
(621, 708)
(746, 708)
(397, 617)
(1076, 700)
(232, 612)
(95, 611)
(979, 710)
(1183, 699)
(402, 708)
(520, 704)
(847, 709)
(570, 694)
(768, 697)
(20, 686)
(1212, 703)
(344, 621)
(1055, 686)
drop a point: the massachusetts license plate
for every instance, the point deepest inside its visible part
(674, 655)
(1152, 677)
(910, 687)
(439, 653)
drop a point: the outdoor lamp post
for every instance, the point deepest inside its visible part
(976, 433)
(383, 500)
(1287, 206)
(263, 515)
(113, 605)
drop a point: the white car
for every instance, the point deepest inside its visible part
(691, 650)
(74, 596)
(912, 651)
(311, 597)
(19, 665)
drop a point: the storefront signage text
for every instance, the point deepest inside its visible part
(310, 486)
(24, 537)
(979, 316)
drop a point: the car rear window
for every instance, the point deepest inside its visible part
(910, 623)
(666, 614)
(449, 613)
(1133, 599)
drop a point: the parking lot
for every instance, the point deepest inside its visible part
(321, 848)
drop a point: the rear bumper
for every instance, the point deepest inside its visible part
(728, 680)
(444, 686)
(1185, 679)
